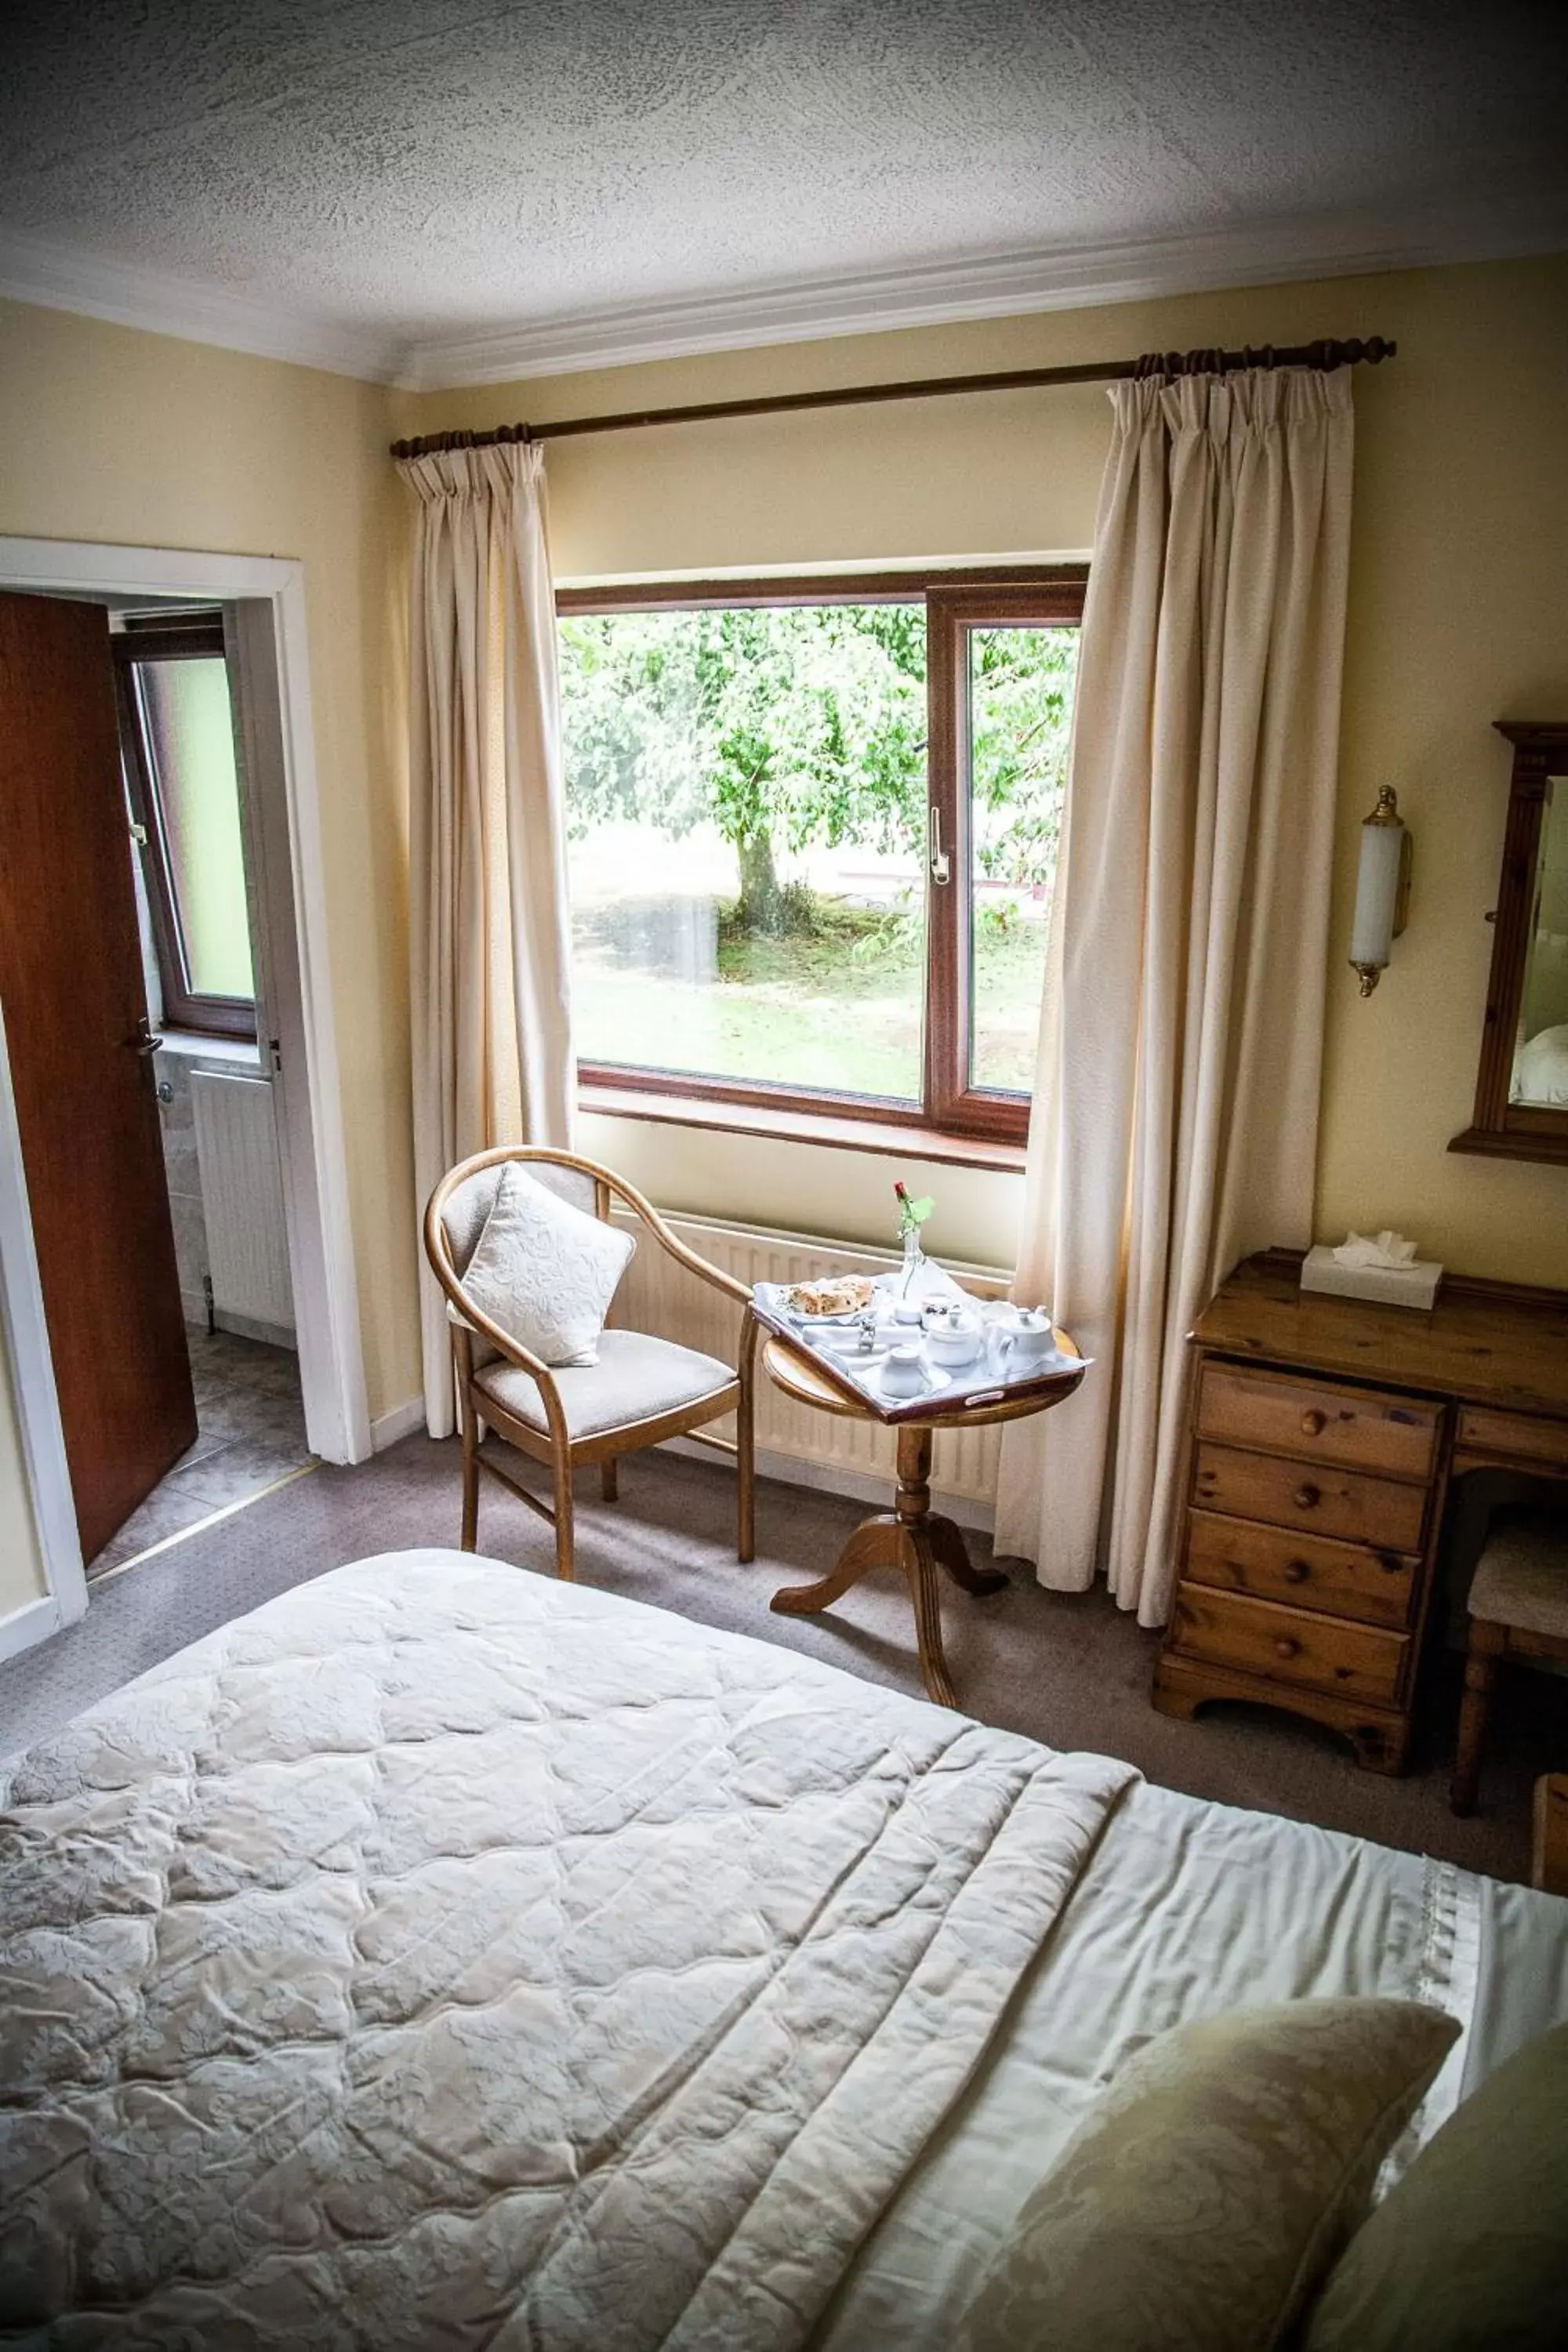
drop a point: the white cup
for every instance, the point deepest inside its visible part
(903, 1373)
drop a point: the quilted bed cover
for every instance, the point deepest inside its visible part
(445, 1957)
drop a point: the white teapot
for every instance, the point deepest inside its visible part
(1034, 1339)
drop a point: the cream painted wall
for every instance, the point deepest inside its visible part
(1458, 616)
(110, 435)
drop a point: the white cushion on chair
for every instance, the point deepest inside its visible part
(1523, 1576)
(469, 1203)
(545, 1272)
(637, 1377)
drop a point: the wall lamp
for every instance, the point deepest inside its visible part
(1382, 891)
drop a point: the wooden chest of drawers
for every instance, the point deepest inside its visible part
(1324, 1435)
(1311, 1511)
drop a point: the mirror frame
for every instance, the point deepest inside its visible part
(1501, 1129)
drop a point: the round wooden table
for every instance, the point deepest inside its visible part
(911, 1536)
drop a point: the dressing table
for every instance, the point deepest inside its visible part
(1324, 1435)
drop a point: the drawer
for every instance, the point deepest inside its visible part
(1283, 1414)
(1290, 1645)
(1309, 1571)
(1516, 1436)
(1311, 1495)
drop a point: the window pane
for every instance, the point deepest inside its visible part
(1020, 726)
(746, 807)
(189, 738)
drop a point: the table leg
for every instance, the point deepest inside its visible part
(875, 1543)
(907, 1536)
(953, 1553)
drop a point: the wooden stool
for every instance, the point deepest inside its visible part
(1519, 1609)
(1549, 1845)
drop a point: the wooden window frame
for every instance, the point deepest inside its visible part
(956, 601)
(200, 637)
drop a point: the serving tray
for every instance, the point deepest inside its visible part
(953, 1389)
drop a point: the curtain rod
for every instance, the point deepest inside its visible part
(1324, 354)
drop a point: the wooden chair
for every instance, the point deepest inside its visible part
(1519, 1609)
(642, 1390)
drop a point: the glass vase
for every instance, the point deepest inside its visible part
(914, 1258)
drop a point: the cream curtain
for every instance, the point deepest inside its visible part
(1175, 1117)
(492, 1042)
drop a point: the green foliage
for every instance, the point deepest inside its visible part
(788, 726)
(1021, 684)
(913, 1214)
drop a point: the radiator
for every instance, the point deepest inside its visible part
(242, 1201)
(854, 1456)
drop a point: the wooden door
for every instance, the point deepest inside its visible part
(75, 1003)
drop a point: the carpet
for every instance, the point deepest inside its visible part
(1070, 1669)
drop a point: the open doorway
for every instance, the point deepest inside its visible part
(188, 822)
(286, 1060)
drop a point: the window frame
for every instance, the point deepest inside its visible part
(199, 636)
(956, 601)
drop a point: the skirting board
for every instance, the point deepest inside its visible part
(389, 1428)
(33, 1621)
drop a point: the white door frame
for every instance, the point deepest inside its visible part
(269, 591)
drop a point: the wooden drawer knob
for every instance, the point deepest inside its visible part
(1297, 1571)
(1287, 1647)
(1307, 1496)
(1314, 1423)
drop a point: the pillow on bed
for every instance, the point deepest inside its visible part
(1212, 2186)
(1469, 2253)
(545, 1272)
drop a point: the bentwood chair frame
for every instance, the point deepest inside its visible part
(555, 1446)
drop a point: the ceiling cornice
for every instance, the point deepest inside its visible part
(1000, 284)
(61, 277)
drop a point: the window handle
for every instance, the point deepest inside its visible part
(940, 864)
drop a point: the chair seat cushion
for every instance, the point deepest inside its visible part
(636, 1378)
(1523, 1576)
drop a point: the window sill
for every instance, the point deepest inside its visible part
(832, 1130)
(190, 1045)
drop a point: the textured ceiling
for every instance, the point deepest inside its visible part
(420, 168)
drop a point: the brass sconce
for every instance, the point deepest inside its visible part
(1383, 889)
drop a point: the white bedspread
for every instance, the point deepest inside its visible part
(442, 1956)
(1185, 1910)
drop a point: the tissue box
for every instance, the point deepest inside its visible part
(1391, 1285)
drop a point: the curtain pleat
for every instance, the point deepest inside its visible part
(488, 923)
(1176, 1119)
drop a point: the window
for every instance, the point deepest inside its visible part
(812, 839)
(178, 730)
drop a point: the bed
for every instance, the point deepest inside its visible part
(442, 1956)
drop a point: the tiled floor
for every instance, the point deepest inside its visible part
(250, 1430)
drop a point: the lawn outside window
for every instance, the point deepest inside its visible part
(176, 725)
(812, 839)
